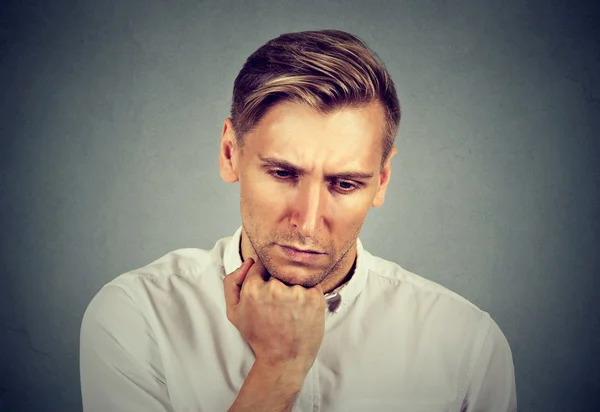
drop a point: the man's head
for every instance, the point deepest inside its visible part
(310, 139)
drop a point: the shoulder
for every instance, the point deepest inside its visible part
(393, 278)
(436, 309)
(186, 264)
(162, 284)
(139, 301)
(175, 269)
(443, 323)
(433, 310)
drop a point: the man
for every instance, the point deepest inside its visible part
(291, 313)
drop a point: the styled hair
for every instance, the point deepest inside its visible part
(326, 70)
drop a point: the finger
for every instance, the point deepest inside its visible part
(233, 282)
(257, 272)
(238, 275)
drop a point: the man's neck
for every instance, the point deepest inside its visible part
(342, 281)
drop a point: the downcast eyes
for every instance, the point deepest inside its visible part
(341, 186)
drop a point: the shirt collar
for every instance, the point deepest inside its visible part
(340, 296)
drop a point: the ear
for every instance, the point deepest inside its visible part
(228, 156)
(384, 179)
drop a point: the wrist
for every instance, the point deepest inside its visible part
(288, 375)
(268, 388)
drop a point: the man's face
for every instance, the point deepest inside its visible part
(307, 181)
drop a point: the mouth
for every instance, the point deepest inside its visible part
(299, 255)
(301, 250)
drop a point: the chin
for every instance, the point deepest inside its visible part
(292, 274)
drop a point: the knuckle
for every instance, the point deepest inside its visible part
(276, 289)
(249, 290)
(298, 291)
(274, 284)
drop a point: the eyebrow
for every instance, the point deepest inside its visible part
(284, 164)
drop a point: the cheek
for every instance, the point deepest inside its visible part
(260, 198)
(351, 209)
(348, 219)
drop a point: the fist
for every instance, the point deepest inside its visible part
(284, 325)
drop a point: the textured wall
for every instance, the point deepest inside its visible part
(110, 117)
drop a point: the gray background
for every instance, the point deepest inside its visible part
(110, 121)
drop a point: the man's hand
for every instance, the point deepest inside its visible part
(283, 325)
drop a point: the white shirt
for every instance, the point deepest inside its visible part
(158, 339)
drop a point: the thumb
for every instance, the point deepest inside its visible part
(233, 283)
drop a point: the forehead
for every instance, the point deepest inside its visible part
(347, 137)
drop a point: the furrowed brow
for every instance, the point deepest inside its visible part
(284, 164)
(351, 176)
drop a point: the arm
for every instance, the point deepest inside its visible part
(492, 385)
(120, 367)
(268, 389)
(284, 326)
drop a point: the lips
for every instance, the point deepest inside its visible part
(302, 250)
(299, 255)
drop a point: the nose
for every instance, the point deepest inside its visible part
(307, 208)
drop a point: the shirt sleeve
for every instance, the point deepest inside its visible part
(492, 385)
(120, 366)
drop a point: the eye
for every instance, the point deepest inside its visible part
(281, 174)
(344, 187)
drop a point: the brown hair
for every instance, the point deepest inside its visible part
(326, 69)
